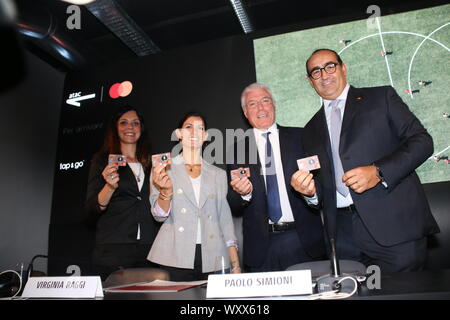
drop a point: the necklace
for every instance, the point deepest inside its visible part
(191, 167)
(137, 176)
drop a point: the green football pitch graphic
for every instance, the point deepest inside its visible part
(410, 51)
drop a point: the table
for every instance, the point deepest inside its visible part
(424, 285)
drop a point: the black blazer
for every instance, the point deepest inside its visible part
(377, 128)
(254, 212)
(128, 207)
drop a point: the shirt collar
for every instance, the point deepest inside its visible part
(272, 129)
(342, 96)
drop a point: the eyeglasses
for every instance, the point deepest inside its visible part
(266, 101)
(329, 68)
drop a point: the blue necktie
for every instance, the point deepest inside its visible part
(273, 195)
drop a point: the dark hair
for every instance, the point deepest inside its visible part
(192, 114)
(339, 60)
(187, 116)
(111, 144)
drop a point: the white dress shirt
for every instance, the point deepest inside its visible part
(341, 201)
(138, 172)
(286, 209)
(196, 183)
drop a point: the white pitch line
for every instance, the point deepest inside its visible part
(439, 153)
(414, 55)
(384, 50)
(393, 32)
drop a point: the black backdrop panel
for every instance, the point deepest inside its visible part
(208, 78)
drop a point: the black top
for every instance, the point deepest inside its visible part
(127, 208)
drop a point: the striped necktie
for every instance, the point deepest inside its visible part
(335, 133)
(273, 194)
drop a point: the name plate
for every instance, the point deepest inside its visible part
(63, 287)
(261, 284)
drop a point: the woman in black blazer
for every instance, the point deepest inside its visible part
(118, 196)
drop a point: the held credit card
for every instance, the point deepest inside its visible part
(308, 163)
(117, 159)
(162, 158)
(240, 173)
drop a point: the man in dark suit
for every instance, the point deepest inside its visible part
(279, 229)
(372, 198)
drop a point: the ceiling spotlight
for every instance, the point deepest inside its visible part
(242, 15)
(115, 18)
(8, 10)
(79, 2)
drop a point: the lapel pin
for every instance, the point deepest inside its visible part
(359, 98)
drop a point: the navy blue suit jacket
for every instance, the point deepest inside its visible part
(254, 212)
(377, 128)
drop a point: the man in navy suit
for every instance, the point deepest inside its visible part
(369, 145)
(279, 229)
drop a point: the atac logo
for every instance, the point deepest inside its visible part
(75, 97)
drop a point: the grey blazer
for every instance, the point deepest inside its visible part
(176, 240)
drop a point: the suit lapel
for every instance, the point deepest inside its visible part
(322, 132)
(256, 172)
(131, 178)
(285, 150)
(353, 102)
(184, 184)
(251, 159)
(324, 142)
(207, 183)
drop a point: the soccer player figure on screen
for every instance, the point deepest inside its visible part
(369, 144)
(279, 229)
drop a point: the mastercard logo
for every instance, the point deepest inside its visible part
(120, 89)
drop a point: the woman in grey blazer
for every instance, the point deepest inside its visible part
(189, 196)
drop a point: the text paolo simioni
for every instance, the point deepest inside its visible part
(68, 284)
(259, 282)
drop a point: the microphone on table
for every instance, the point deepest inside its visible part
(335, 280)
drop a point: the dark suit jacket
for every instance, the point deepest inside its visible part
(128, 207)
(254, 212)
(377, 128)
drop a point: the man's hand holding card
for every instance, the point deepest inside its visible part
(302, 180)
(240, 181)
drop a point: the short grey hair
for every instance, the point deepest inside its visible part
(253, 86)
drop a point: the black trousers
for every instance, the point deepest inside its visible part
(285, 250)
(180, 274)
(108, 258)
(354, 242)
